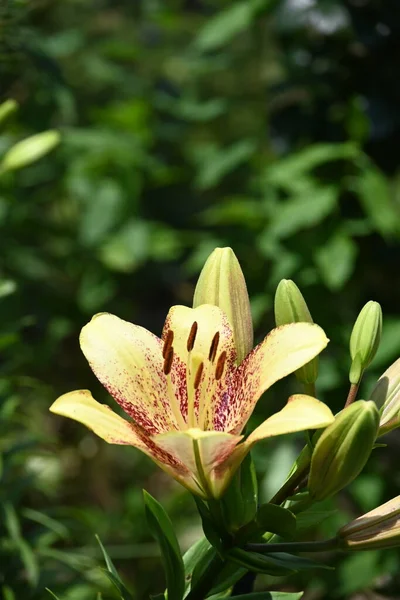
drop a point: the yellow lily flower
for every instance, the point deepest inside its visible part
(187, 400)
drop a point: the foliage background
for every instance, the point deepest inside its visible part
(270, 126)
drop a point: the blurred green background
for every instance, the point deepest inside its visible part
(269, 126)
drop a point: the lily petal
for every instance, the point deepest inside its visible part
(282, 352)
(127, 360)
(202, 452)
(104, 422)
(300, 413)
(203, 346)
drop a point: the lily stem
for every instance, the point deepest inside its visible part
(310, 390)
(290, 485)
(320, 546)
(352, 394)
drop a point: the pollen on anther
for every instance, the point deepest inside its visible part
(220, 365)
(192, 337)
(199, 373)
(214, 347)
(168, 342)
(168, 361)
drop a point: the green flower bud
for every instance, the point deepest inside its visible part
(386, 395)
(343, 449)
(290, 307)
(222, 284)
(29, 150)
(365, 339)
(380, 528)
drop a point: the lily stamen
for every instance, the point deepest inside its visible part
(168, 343)
(220, 365)
(192, 337)
(214, 347)
(199, 373)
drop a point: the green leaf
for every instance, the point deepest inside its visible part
(291, 171)
(162, 530)
(208, 524)
(217, 163)
(336, 260)
(29, 150)
(372, 188)
(202, 564)
(51, 594)
(240, 499)
(275, 519)
(193, 556)
(7, 108)
(228, 576)
(112, 573)
(272, 596)
(311, 518)
(258, 563)
(303, 211)
(7, 592)
(228, 23)
(296, 563)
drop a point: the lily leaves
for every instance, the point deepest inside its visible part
(162, 530)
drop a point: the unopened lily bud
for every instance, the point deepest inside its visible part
(343, 449)
(222, 284)
(380, 528)
(365, 339)
(29, 150)
(386, 395)
(290, 307)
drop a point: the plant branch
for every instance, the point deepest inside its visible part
(320, 546)
(289, 486)
(352, 394)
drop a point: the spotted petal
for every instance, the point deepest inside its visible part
(282, 352)
(127, 359)
(202, 452)
(104, 422)
(204, 355)
(300, 413)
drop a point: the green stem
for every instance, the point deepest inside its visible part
(290, 485)
(207, 580)
(321, 546)
(310, 390)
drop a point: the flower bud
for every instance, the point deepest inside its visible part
(222, 284)
(380, 528)
(290, 307)
(365, 339)
(29, 150)
(386, 395)
(343, 449)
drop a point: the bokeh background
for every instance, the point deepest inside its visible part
(269, 126)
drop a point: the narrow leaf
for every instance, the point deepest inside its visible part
(162, 530)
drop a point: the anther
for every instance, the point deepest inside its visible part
(192, 337)
(168, 361)
(220, 365)
(213, 347)
(198, 376)
(168, 342)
